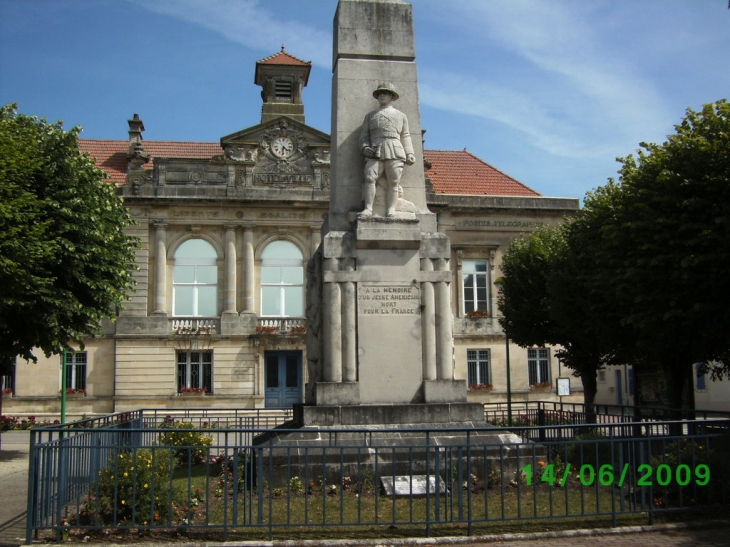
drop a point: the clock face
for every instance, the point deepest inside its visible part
(282, 147)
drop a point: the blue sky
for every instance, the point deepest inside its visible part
(548, 91)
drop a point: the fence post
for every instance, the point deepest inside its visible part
(31, 508)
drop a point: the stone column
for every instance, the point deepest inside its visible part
(248, 271)
(315, 240)
(160, 269)
(230, 289)
(428, 324)
(444, 335)
(332, 327)
(349, 332)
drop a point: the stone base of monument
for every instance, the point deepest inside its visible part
(425, 415)
(338, 441)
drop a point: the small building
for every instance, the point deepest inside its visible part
(616, 386)
(226, 230)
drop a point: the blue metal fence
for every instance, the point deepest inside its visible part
(154, 471)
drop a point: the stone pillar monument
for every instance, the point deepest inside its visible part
(384, 276)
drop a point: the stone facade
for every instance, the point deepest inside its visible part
(227, 232)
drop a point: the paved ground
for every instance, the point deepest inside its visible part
(14, 484)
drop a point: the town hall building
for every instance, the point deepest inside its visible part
(226, 231)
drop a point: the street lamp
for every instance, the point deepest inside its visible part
(499, 283)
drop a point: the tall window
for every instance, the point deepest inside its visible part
(195, 371)
(538, 363)
(75, 370)
(476, 288)
(195, 280)
(478, 364)
(701, 382)
(282, 280)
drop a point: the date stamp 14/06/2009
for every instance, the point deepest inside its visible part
(663, 475)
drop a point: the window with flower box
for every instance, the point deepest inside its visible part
(75, 371)
(474, 276)
(538, 364)
(478, 367)
(195, 372)
(6, 384)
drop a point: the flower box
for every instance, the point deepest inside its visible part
(543, 386)
(72, 393)
(194, 331)
(192, 392)
(477, 314)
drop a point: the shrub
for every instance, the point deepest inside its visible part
(704, 474)
(132, 489)
(295, 485)
(179, 435)
(8, 423)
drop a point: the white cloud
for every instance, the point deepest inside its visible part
(555, 134)
(252, 24)
(561, 86)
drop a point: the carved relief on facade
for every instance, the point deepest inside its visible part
(137, 176)
(284, 158)
(240, 153)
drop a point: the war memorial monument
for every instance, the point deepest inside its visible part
(380, 344)
(383, 353)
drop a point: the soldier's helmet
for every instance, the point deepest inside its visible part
(386, 86)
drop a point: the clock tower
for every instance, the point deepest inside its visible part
(282, 77)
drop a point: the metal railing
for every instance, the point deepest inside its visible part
(176, 471)
(529, 412)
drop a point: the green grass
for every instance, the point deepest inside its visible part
(200, 503)
(369, 513)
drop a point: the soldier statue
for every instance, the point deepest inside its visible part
(386, 144)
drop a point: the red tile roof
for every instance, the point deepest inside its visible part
(283, 58)
(461, 172)
(451, 171)
(111, 156)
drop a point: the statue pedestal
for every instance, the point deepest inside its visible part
(394, 415)
(386, 316)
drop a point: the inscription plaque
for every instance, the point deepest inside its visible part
(508, 224)
(407, 485)
(375, 299)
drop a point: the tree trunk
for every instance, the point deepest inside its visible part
(676, 374)
(590, 388)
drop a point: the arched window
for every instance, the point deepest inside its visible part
(195, 280)
(282, 280)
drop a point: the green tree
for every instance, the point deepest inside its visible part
(544, 303)
(661, 246)
(65, 261)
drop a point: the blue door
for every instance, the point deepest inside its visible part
(283, 378)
